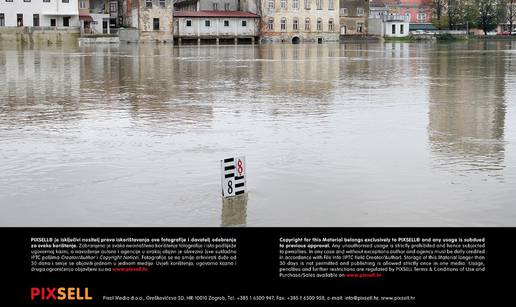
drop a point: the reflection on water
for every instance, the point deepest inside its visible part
(392, 134)
(467, 109)
(234, 211)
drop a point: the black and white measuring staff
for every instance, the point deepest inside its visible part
(233, 176)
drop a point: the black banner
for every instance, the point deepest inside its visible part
(250, 266)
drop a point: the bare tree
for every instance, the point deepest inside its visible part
(510, 14)
(439, 6)
(439, 10)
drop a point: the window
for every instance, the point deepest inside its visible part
(360, 27)
(113, 6)
(319, 24)
(283, 4)
(66, 21)
(26, 0)
(319, 4)
(307, 4)
(215, 6)
(307, 24)
(270, 24)
(188, 23)
(207, 23)
(271, 4)
(295, 24)
(43, 0)
(53, 22)
(295, 4)
(2, 20)
(283, 24)
(343, 11)
(226, 23)
(244, 23)
(35, 20)
(155, 24)
(421, 16)
(401, 29)
(330, 4)
(19, 20)
(360, 11)
(65, 1)
(162, 3)
(148, 4)
(11, 0)
(330, 25)
(393, 31)
(82, 4)
(227, 7)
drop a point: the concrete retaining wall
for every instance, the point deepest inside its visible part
(359, 38)
(39, 35)
(98, 40)
(156, 37)
(129, 35)
(304, 37)
(132, 35)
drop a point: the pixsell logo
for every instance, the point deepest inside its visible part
(60, 294)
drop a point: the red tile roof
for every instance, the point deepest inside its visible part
(228, 14)
(85, 18)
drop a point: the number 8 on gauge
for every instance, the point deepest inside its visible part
(233, 176)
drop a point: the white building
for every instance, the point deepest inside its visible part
(39, 13)
(216, 25)
(391, 25)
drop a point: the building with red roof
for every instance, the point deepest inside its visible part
(215, 21)
(417, 12)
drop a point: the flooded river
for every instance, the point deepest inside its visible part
(394, 134)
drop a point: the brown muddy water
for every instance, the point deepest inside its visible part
(394, 134)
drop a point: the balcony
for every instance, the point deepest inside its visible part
(394, 17)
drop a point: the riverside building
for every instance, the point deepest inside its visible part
(298, 21)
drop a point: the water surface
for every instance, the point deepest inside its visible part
(394, 134)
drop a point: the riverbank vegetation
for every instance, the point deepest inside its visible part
(467, 14)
